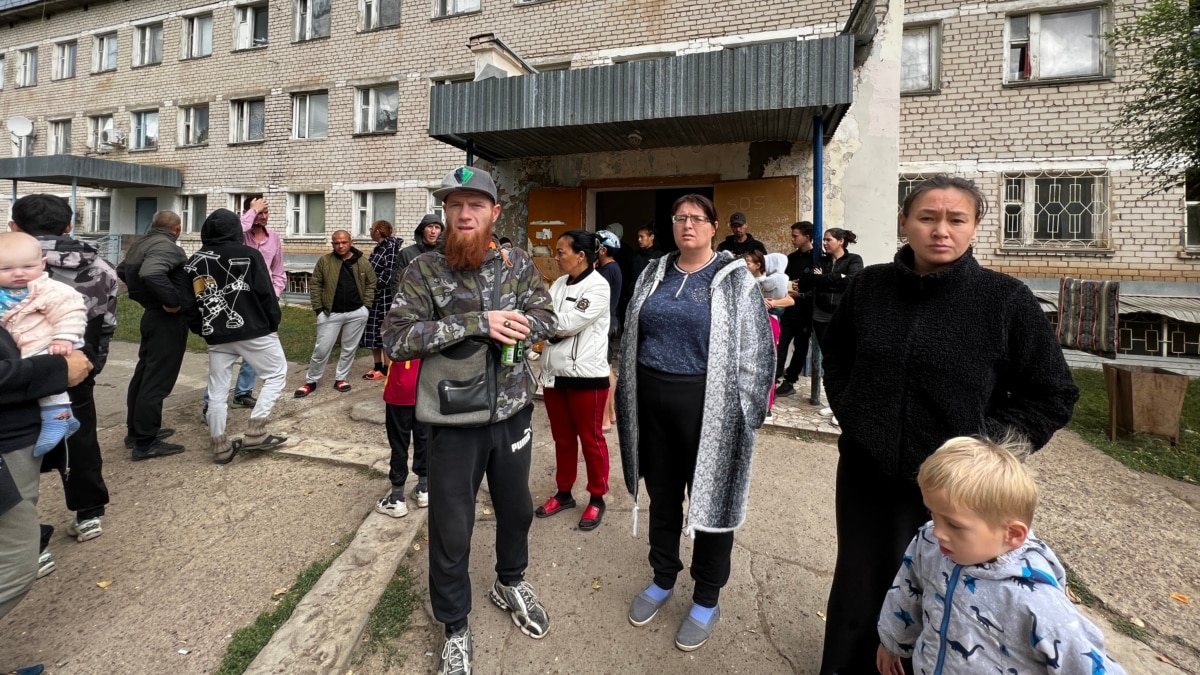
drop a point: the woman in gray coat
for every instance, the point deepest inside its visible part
(696, 366)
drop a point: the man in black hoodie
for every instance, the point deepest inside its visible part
(425, 239)
(237, 314)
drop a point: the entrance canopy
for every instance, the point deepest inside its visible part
(766, 92)
(88, 172)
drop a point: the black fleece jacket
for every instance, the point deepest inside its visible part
(912, 361)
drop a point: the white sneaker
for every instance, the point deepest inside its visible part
(769, 419)
(826, 412)
(422, 498)
(834, 422)
(392, 505)
(85, 530)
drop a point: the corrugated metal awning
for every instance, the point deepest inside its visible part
(88, 172)
(767, 92)
(1180, 309)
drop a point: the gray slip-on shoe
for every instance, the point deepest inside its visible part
(693, 634)
(644, 608)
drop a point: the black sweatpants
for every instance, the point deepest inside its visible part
(670, 412)
(877, 517)
(796, 333)
(78, 460)
(403, 428)
(160, 356)
(458, 460)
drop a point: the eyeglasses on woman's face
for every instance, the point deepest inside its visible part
(683, 218)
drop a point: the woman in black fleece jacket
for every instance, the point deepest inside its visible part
(926, 348)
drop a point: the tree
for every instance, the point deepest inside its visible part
(1160, 119)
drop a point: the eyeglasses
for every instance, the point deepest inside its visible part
(683, 219)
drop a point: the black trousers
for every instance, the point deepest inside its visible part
(78, 459)
(458, 460)
(160, 356)
(401, 423)
(795, 333)
(877, 517)
(670, 410)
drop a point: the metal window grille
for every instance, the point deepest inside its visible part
(1056, 210)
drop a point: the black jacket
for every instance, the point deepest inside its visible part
(737, 248)
(234, 296)
(912, 361)
(834, 278)
(637, 262)
(22, 383)
(799, 269)
(153, 272)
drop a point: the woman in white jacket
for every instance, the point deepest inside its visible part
(575, 375)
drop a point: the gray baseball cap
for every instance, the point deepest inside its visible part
(468, 178)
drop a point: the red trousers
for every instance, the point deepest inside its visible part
(576, 418)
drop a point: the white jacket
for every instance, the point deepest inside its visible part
(582, 324)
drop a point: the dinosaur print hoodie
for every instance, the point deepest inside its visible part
(1010, 615)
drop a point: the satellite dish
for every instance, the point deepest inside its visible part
(20, 126)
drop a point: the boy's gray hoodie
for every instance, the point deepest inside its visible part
(1009, 615)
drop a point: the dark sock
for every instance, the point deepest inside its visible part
(379, 366)
(596, 501)
(383, 368)
(512, 581)
(452, 628)
(563, 497)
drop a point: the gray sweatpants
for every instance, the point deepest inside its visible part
(265, 356)
(19, 531)
(350, 325)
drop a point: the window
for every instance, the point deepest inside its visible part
(434, 206)
(379, 13)
(372, 206)
(60, 138)
(194, 211)
(248, 121)
(145, 130)
(312, 19)
(306, 213)
(99, 131)
(251, 27)
(1192, 202)
(310, 115)
(1049, 46)
(27, 67)
(97, 213)
(197, 36)
(919, 59)
(193, 125)
(377, 109)
(449, 7)
(1056, 209)
(64, 60)
(148, 44)
(104, 55)
(1, 71)
(22, 146)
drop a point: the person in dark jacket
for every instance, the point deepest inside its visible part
(425, 239)
(383, 261)
(237, 314)
(924, 349)
(73, 262)
(741, 241)
(153, 272)
(795, 328)
(838, 266)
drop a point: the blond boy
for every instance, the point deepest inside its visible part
(976, 591)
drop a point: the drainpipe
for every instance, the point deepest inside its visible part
(74, 193)
(470, 152)
(818, 227)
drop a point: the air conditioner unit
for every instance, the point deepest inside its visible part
(112, 137)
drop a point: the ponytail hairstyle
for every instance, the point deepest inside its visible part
(845, 236)
(582, 241)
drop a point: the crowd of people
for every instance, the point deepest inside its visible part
(682, 352)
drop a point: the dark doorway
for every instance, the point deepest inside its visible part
(144, 210)
(636, 208)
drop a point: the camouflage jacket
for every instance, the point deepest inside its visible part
(80, 266)
(435, 307)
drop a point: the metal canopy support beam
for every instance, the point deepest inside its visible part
(818, 228)
(74, 196)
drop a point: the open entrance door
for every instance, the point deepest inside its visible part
(771, 205)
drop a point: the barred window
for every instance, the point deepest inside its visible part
(1055, 210)
(1192, 202)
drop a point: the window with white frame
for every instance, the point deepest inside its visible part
(64, 60)
(2, 64)
(434, 206)
(27, 67)
(1192, 204)
(22, 146)
(99, 128)
(97, 213)
(193, 211)
(148, 44)
(376, 109)
(197, 36)
(370, 206)
(1056, 45)
(144, 130)
(250, 28)
(248, 120)
(310, 115)
(193, 124)
(311, 19)
(920, 58)
(60, 138)
(379, 13)
(239, 201)
(1056, 209)
(306, 213)
(449, 7)
(104, 52)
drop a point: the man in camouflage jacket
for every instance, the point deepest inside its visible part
(445, 296)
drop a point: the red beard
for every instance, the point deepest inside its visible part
(466, 251)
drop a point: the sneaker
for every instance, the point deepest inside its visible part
(769, 419)
(522, 604)
(422, 497)
(834, 422)
(785, 389)
(693, 634)
(392, 505)
(157, 449)
(824, 412)
(243, 401)
(643, 608)
(86, 529)
(45, 564)
(457, 653)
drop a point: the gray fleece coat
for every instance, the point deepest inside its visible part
(741, 363)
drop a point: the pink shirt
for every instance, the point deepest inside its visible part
(271, 249)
